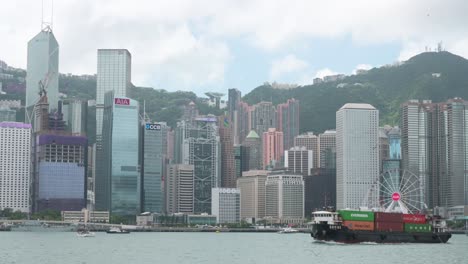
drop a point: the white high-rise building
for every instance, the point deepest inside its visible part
(225, 205)
(15, 160)
(357, 154)
(113, 74)
(42, 66)
(284, 197)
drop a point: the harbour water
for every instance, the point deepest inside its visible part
(211, 248)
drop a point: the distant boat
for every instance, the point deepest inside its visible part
(85, 233)
(117, 230)
(288, 230)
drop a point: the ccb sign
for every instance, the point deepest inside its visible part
(153, 127)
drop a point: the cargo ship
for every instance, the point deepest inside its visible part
(348, 226)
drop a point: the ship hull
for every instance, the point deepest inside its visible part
(323, 232)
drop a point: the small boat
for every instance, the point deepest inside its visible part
(117, 230)
(288, 230)
(85, 233)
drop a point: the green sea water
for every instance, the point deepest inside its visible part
(211, 248)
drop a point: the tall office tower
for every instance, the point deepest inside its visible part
(75, 115)
(327, 149)
(113, 74)
(170, 145)
(154, 149)
(394, 142)
(288, 121)
(234, 100)
(59, 172)
(252, 189)
(179, 189)
(384, 147)
(91, 176)
(298, 160)
(272, 148)
(119, 188)
(310, 141)
(284, 197)
(228, 169)
(254, 144)
(43, 70)
(357, 154)
(418, 127)
(15, 157)
(225, 205)
(241, 159)
(263, 117)
(190, 112)
(245, 117)
(200, 146)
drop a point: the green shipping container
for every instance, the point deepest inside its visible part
(415, 228)
(356, 215)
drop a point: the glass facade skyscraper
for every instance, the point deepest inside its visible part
(120, 185)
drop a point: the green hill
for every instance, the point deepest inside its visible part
(385, 88)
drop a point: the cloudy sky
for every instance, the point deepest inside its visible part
(204, 45)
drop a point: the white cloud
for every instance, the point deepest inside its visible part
(289, 64)
(324, 72)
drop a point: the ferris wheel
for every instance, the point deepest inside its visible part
(396, 191)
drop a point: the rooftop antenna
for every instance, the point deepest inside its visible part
(47, 25)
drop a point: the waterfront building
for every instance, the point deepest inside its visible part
(179, 189)
(85, 215)
(288, 121)
(120, 186)
(154, 149)
(15, 166)
(357, 154)
(263, 117)
(42, 69)
(113, 74)
(298, 160)
(284, 197)
(252, 190)
(310, 141)
(59, 174)
(319, 190)
(272, 148)
(327, 150)
(254, 144)
(225, 205)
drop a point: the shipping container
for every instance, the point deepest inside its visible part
(389, 226)
(359, 225)
(414, 218)
(388, 217)
(356, 215)
(415, 228)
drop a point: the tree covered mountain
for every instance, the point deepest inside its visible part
(436, 76)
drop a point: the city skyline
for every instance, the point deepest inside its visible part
(282, 43)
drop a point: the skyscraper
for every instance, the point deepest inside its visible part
(263, 117)
(357, 154)
(228, 172)
(298, 160)
(200, 147)
(252, 188)
(310, 141)
(15, 166)
(42, 69)
(327, 149)
(241, 159)
(154, 149)
(288, 121)
(272, 148)
(119, 187)
(234, 99)
(254, 144)
(179, 188)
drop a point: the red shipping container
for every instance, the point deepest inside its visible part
(389, 226)
(414, 218)
(359, 225)
(388, 217)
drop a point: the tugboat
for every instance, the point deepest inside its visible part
(381, 227)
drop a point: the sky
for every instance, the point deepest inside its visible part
(205, 45)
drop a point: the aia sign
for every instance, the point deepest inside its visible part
(121, 101)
